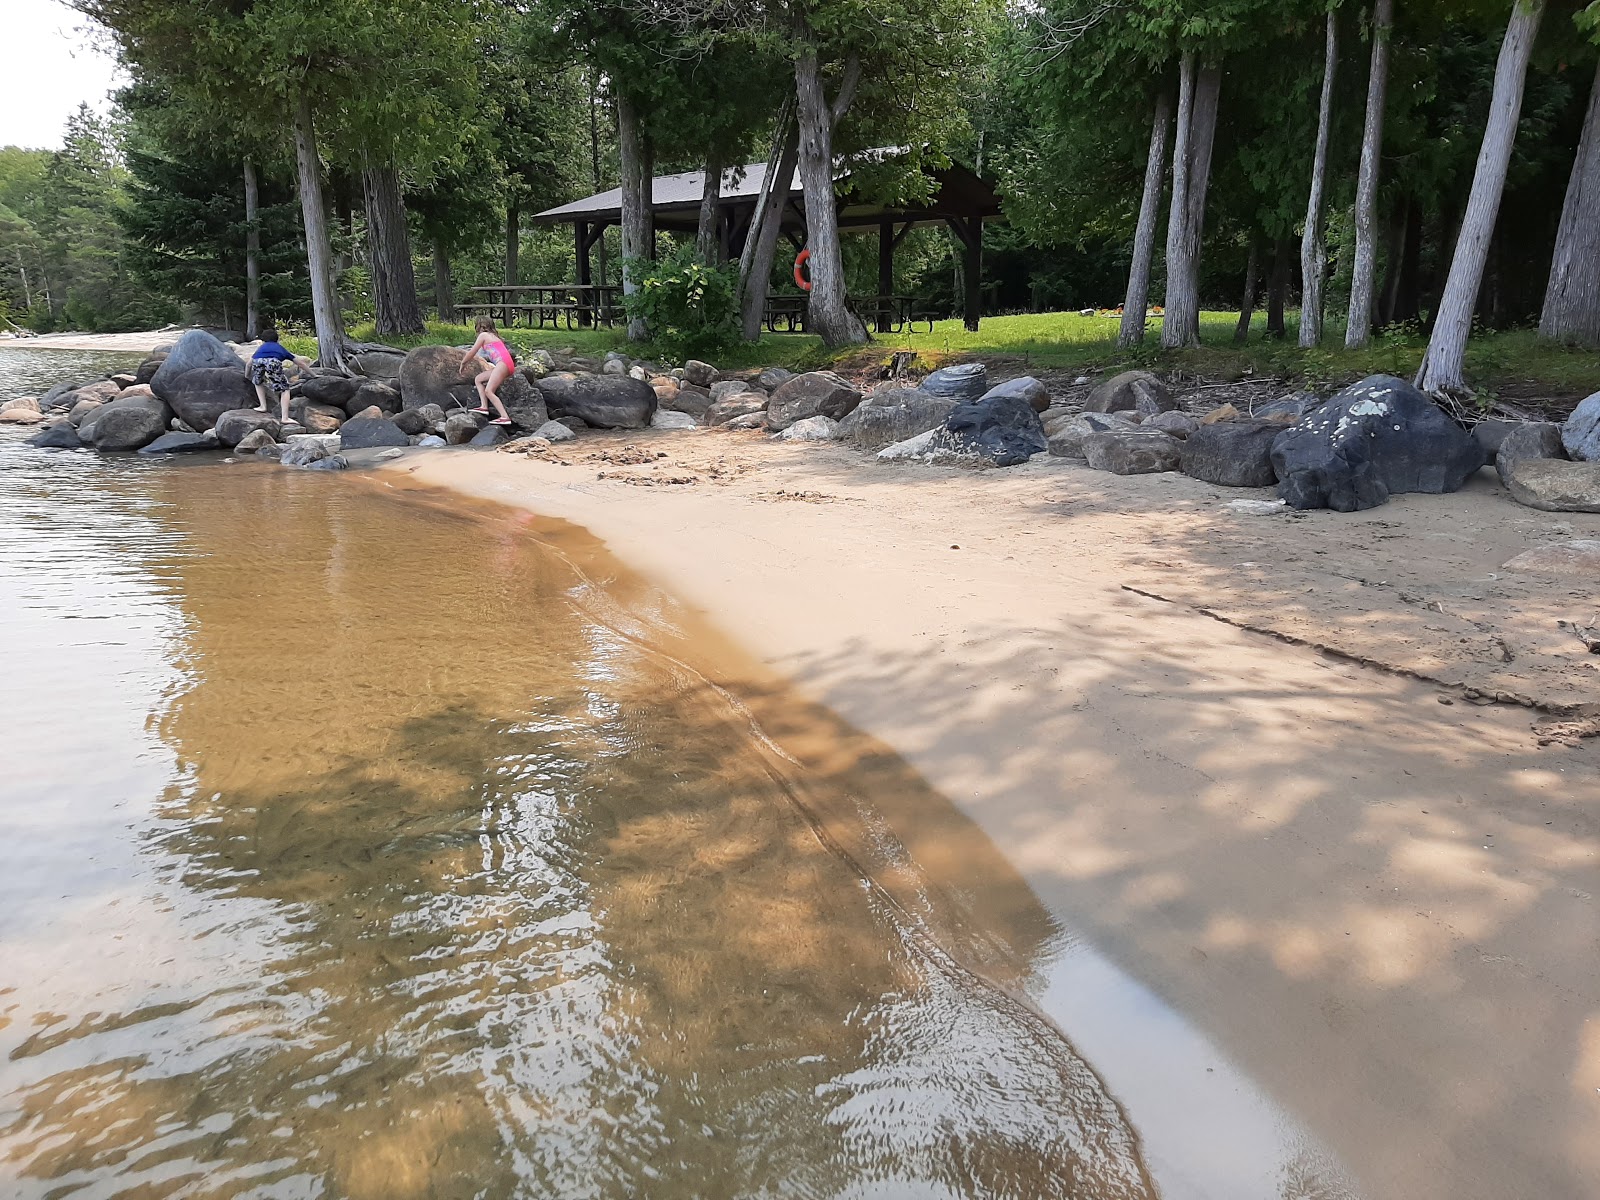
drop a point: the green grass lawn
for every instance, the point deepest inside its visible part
(1513, 365)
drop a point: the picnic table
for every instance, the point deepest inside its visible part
(885, 314)
(551, 303)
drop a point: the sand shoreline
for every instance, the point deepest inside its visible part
(1379, 904)
(112, 343)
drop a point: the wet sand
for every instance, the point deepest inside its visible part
(1240, 754)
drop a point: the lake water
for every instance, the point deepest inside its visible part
(354, 845)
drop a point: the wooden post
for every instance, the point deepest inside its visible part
(581, 242)
(886, 241)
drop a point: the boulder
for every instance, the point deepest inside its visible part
(728, 387)
(195, 350)
(1290, 409)
(614, 366)
(367, 433)
(961, 383)
(1536, 439)
(755, 420)
(146, 370)
(330, 462)
(138, 389)
(127, 424)
(1374, 439)
(256, 439)
(772, 378)
(232, 427)
(123, 379)
(1232, 453)
(576, 424)
(700, 373)
(1002, 429)
(434, 375)
(202, 395)
(460, 428)
(875, 425)
(816, 393)
(603, 401)
(103, 391)
(740, 404)
(20, 416)
(371, 414)
(691, 401)
(490, 435)
(58, 437)
(180, 443)
(667, 418)
(1131, 391)
(555, 431)
(412, 422)
(1177, 424)
(330, 389)
(431, 441)
(1133, 452)
(812, 429)
(1065, 438)
(1581, 434)
(929, 446)
(56, 397)
(379, 364)
(303, 453)
(1027, 388)
(431, 413)
(317, 418)
(373, 394)
(1555, 485)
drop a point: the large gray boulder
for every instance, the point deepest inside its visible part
(147, 369)
(434, 375)
(1581, 434)
(128, 424)
(1004, 429)
(1554, 485)
(1232, 453)
(195, 350)
(1027, 388)
(1374, 439)
(57, 397)
(58, 437)
(1536, 439)
(316, 418)
(232, 426)
(461, 427)
(962, 383)
(490, 435)
(366, 433)
(1131, 391)
(1065, 437)
(334, 390)
(732, 408)
(202, 395)
(104, 391)
(816, 393)
(380, 364)
(690, 401)
(603, 401)
(373, 394)
(1133, 452)
(872, 426)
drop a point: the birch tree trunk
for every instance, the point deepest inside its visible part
(1247, 307)
(1313, 246)
(1364, 272)
(394, 281)
(706, 241)
(1182, 324)
(252, 253)
(1442, 365)
(1572, 299)
(636, 198)
(1178, 209)
(319, 251)
(763, 237)
(1137, 303)
(444, 293)
(828, 313)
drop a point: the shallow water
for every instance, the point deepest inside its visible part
(25, 372)
(356, 846)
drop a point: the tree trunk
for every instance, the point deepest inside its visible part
(1181, 326)
(444, 293)
(766, 226)
(1572, 299)
(636, 199)
(828, 313)
(1358, 330)
(1247, 307)
(394, 281)
(707, 246)
(319, 251)
(1313, 246)
(513, 269)
(1178, 209)
(1137, 303)
(252, 253)
(1443, 364)
(1278, 290)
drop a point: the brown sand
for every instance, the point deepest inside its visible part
(1256, 760)
(120, 343)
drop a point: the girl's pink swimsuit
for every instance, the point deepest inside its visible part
(497, 348)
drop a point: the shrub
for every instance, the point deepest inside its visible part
(690, 309)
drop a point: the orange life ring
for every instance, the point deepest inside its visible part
(799, 274)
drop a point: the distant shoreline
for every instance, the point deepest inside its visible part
(118, 343)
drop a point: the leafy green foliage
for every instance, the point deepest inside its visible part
(691, 309)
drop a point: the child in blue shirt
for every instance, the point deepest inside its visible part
(266, 372)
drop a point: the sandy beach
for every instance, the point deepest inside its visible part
(116, 343)
(1326, 784)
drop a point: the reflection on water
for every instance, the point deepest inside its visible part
(432, 874)
(25, 372)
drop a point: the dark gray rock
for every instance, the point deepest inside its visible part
(814, 394)
(1131, 391)
(434, 375)
(578, 424)
(202, 395)
(1581, 434)
(1026, 387)
(374, 394)
(412, 421)
(490, 435)
(1555, 485)
(81, 410)
(127, 424)
(103, 390)
(254, 441)
(1490, 433)
(731, 408)
(1002, 429)
(332, 462)
(874, 426)
(366, 433)
(772, 378)
(1133, 452)
(1374, 439)
(1290, 409)
(1232, 453)
(56, 396)
(693, 401)
(431, 441)
(1537, 439)
(232, 426)
(603, 401)
(334, 390)
(58, 437)
(697, 372)
(195, 350)
(1065, 437)
(1175, 424)
(303, 454)
(461, 427)
(962, 383)
(380, 364)
(148, 368)
(180, 443)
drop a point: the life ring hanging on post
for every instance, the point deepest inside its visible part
(800, 262)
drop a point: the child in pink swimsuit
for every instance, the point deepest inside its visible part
(499, 363)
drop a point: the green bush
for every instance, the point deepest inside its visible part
(691, 310)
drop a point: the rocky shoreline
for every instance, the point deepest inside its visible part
(1347, 452)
